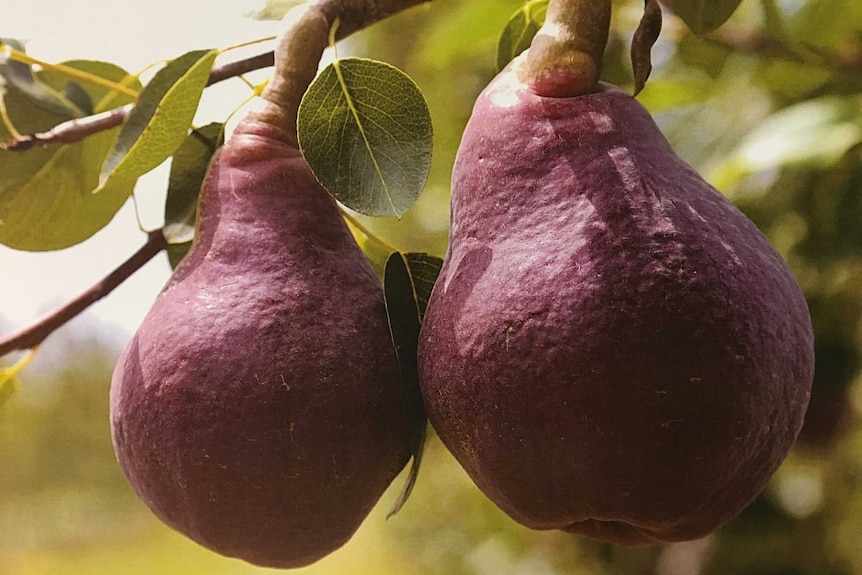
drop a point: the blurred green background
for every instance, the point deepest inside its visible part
(767, 108)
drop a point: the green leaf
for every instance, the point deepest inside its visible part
(365, 130)
(704, 16)
(161, 118)
(456, 39)
(176, 253)
(95, 98)
(188, 168)
(407, 284)
(826, 24)
(78, 96)
(813, 134)
(520, 30)
(45, 193)
(19, 78)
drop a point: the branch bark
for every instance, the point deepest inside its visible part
(31, 336)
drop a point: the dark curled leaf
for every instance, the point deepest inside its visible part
(176, 253)
(645, 37)
(408, 281)
(188, 169)
(424, 270)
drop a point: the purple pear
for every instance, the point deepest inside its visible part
(612, 348)
(260, 409)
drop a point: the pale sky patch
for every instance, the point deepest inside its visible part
(132, 35)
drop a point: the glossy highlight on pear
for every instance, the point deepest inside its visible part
(612, 348)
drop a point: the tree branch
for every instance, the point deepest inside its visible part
(80, 128)
(31, 336)
(298, 57)
(240, 67)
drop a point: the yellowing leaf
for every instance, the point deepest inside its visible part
(8, 384)
(45, 199)
(161, 118)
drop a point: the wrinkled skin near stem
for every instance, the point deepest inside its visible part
(565, 58)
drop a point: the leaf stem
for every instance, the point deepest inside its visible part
(249, 43)
(368, 233)
(33, 335)
(11, 372)
(25, 58)
(7, 121)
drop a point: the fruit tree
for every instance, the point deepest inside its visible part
(633, 336)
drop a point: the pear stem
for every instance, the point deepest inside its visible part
(301, 45)
(565, 58)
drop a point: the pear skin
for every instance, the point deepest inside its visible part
(260, 409)
(612, 348)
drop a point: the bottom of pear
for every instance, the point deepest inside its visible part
(622, 533)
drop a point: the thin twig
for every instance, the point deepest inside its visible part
(71, 131)
(240, 67)
(80, 128)
(847, 60)
(353, 14)
(33, 335)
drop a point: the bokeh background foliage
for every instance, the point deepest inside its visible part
(767, 107)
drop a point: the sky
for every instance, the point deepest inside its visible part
(132, 35)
